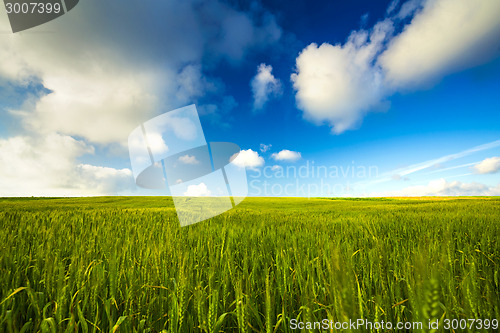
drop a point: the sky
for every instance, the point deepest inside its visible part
(324, 98)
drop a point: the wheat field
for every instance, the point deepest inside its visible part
(124, 264)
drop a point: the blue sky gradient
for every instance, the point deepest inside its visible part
(72, 89)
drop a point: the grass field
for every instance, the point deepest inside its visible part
(124, 264)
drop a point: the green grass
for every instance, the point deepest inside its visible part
(123, 263)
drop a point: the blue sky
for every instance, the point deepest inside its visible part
(394, 98)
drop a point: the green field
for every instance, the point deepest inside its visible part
(124, 264)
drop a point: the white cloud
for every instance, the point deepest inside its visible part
(276, 167)
(47, 166)
(455, 34)
(248, 159)
(340, 84)
(287, 156)
(200, 190)
(156, 143)
(104, 180)
(97, 105)
(264, 148)
(99, 96)
(489, 165)
(187, 159)
(264, 86)
(441, 187)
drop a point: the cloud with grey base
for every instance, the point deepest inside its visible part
(133, 71)
(48, 166)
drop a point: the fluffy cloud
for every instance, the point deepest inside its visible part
(101, 180)
(47, 166)
(155, 143)
(100, 95)
(187, 159)
(248, 159)
(200, 190)
(339, 84)
(441, 187)
(286, 156)
(489, 165)
(264, 86)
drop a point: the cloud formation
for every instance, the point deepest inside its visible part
(103, 76)
(489, 165)
(99, 76)
(340, 84)
(48, 166)
(286, 156)
(264, 86)
(248, 159)
(200, 190)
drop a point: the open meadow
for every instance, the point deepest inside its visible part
(124, 264)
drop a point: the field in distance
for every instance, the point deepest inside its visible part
(124, 264)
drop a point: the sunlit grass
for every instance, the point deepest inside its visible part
(100, 264)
